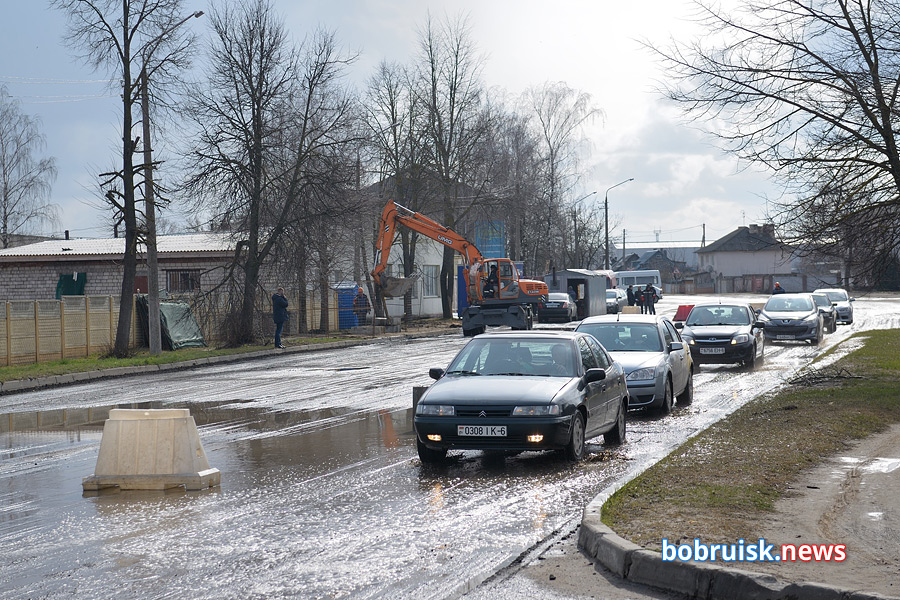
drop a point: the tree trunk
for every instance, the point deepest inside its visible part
(448, 276)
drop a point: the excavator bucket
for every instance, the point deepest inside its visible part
(396, 286)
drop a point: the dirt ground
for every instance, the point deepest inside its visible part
(851, 499)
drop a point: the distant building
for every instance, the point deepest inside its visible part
(187, 263)
(751, 259)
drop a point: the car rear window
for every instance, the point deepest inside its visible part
(625, 337)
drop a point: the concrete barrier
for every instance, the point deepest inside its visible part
(154, 449)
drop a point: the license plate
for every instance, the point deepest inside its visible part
(785, 337)
(481, 430)
(552, 305)
(712, 350)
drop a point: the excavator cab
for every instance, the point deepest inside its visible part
(504, 286)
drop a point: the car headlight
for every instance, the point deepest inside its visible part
(536, 411)
(435, 410)
(812, 317)
(646, 373)
(741, 338)
(763, 317)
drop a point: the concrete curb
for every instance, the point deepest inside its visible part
(24, 385)
(696, 580)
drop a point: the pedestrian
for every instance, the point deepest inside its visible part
(279, 314)
(361, 306)
(778, 289)
(639, 299)
(630, 294)
(650, 299)
(572, 295)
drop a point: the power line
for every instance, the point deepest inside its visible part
(50, 81)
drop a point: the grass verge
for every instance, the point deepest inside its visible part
(96, 362)
(720, 483)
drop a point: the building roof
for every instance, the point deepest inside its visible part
(746, 239)
(191, 244)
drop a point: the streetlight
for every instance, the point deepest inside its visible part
(606, 220)
(155, 341)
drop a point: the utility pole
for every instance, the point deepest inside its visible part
(155, 341)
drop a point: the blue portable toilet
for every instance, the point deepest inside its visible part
(346, 292)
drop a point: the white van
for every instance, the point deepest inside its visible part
(641, 278)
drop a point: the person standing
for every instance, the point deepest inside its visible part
(630, 294)
(279, 314)
(650, 299)
(361, 306)
(778, 289)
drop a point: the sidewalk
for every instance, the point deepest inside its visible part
(834, 504)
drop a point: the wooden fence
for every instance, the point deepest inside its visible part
(33, 331)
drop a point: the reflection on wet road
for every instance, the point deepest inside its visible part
(322, 495)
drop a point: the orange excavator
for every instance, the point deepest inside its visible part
(496, 295)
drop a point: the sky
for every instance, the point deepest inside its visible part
(681, 180)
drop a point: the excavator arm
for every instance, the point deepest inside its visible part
(393, 215)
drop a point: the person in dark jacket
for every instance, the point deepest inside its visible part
(630, 294)
(650, 299)
(279, 314)
(778, 289)
(361, 306)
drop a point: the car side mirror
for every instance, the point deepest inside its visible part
(435, 373)
(852, 299)
(590, 376)
(760, 324)
(679, 325)
(673, 346)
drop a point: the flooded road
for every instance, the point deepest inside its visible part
(322, 494)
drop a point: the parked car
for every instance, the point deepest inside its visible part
(828, 310)
(616, 299)
(529, 390)
(842, 303)
(792, 317)
(723, 334)
(558, 307)
(657, 365)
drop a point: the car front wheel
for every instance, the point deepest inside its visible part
(430, 456)
(666, 406)
(616, 435)
(687, 396)
(575, 447)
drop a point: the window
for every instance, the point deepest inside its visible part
(183, 281)
(602, 358)
(588, 361)
(430, 280)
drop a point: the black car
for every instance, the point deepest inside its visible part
(792, 317)
(828, 311)
(523, 391)
(724, 334)
(558, 307)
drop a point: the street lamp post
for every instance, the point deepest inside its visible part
(155, 341)
(606, 221)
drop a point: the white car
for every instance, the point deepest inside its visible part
(842, 303)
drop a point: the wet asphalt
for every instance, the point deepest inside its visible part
(322, 494)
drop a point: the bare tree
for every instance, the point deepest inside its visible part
(560, 115)
(450, 90)
(25, 180)
(128, 38)
(273, 123)
(809, 90)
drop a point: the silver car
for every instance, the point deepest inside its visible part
(842, 303)
(658, 368)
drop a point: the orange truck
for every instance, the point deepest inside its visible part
(503, 299)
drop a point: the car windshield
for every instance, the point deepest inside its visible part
(544, 357)
(837, 295)
(718, 315)
(789, 304)
(625, 337)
